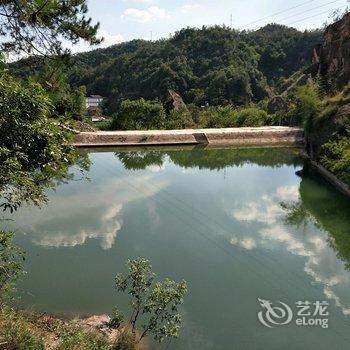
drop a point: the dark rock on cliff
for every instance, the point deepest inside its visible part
(331, 59)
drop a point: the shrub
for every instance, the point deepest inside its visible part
(228, 116)
(139, 115)
(217, 117)
(337, 158)
(179, 119)
(307, 106)
(103, 124)
(251, 117)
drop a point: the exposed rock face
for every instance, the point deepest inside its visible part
(277, 104)
(177, 100)
(332, 57)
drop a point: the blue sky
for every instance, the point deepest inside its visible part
(123, 20)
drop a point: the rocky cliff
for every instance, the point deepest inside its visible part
(331, 59)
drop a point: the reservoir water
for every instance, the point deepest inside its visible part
(238, 224)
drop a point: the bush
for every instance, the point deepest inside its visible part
(217, 117)
(307, 106)
(33, 147)
(337, 158)
(103, 124)
(179, 119)
(139, 115)
(251, 117)
(227, 116)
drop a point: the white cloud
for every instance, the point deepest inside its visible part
(188, 7)
(110, 39)
(321, 262)
(268, 209)
(142, 16)
(71, 220)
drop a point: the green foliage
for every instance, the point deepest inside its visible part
(228, 116)
(79, 340)
(11, 258)
(16, 332)
(103, 125)
(157, 302)
(214, 66)
(37, 26)
(139, 115)
(116, 319)
(179, 119)
(283, 50)
(66, 103)
(162, 307)
(336, 158)
(251, 117)
(33, 148)
(307, 106)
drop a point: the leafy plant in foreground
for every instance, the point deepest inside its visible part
(156, 303)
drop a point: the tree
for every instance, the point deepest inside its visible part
(10, 263)
(34, 149)
(307, 106)
(139, 115)
(213, 65)
(38, 26)
(157, 302)
(66, 103)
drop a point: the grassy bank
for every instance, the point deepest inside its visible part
(22, 330)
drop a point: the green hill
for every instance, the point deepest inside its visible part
(211, 65)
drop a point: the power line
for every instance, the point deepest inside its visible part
(306, 18)
(278, 13)
(314, 8)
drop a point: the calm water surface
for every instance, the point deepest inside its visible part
(236, 224)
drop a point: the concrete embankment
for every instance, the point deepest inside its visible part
(271, 135)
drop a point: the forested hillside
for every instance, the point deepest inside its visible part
(214, 66)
